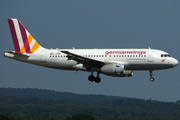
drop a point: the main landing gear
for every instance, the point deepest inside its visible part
(96, 79)
(151, 78)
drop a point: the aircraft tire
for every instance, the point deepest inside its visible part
(97, 79)
(152, 79)
(91, 78)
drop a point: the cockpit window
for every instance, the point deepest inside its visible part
(165, 55)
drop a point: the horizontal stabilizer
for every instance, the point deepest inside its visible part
(13, 53)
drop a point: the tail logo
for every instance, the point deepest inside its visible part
(22, 39)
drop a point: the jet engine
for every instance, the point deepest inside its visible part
(127, 73)
(79, 67)
(116, 70)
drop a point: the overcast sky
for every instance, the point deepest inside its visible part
(94, 24)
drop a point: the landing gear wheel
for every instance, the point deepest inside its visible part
(91, 78)
(151, 73)
(97, 79)
(152, 79)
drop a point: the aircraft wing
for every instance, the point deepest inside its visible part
(87, 62)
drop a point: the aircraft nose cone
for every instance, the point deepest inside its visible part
(175, 63)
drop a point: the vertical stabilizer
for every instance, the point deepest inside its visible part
(22, 39)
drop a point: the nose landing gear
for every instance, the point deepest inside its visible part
(151, 78)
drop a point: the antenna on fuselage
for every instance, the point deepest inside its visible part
(149, 47)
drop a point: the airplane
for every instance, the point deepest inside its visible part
(111, 62)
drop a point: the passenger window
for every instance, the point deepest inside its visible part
(161, 55)
(119, 55)
(99, 55)
(102, 55)
(105, 55)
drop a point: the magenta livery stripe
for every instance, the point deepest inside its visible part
(14, 36)
(24, 37)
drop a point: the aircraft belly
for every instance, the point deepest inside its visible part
(61, 64)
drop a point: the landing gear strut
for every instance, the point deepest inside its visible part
(96, 79)
(151, 78)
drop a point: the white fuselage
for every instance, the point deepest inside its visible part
(132, 59)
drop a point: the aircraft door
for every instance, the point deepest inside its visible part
(43, 57)
(151, 56)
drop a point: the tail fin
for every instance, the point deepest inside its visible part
(22, 39)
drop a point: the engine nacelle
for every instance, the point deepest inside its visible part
(112, 69)
(116, 70)
(128, 73)
(79, 67)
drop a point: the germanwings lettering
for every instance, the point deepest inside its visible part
(125, 52)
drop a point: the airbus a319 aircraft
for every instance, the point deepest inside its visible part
(111, 62)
